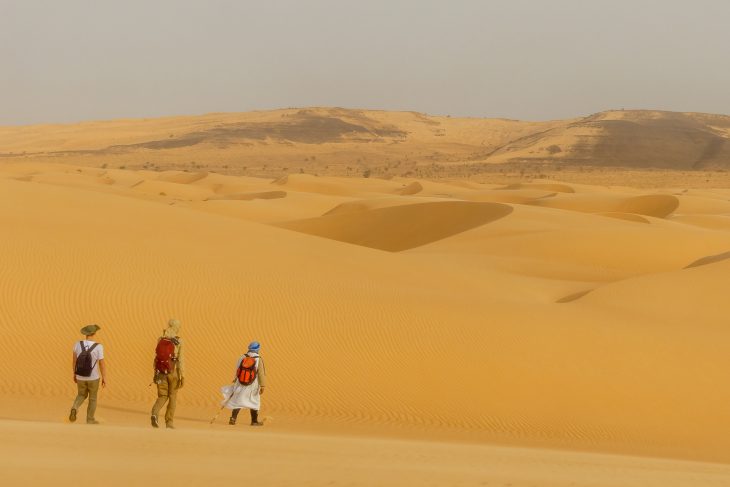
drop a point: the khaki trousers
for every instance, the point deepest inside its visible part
(166, 391)
(86, 388)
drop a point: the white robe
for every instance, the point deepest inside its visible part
(236, 395)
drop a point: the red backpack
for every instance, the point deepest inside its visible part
(165, 355)
(247, 371)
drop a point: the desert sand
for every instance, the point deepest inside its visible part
(125, 456)
(416, 331)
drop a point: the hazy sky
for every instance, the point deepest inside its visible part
(70, 60)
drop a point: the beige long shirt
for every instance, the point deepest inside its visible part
(261, 372)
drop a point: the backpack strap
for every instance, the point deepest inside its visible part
(91, 349)
(83, 348)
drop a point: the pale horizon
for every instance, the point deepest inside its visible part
(76, 62)
(274, 109)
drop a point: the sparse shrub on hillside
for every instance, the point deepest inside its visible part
(554, 149)
(366, 173)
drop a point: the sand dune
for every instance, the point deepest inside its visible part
(656, 205)
(173, 189)
(712, 222)
(550, 187)
(413, 188)
(373, 203)
(566, 319)
(671, 296)
(402, 227)
(521, 196)
(182, 177)
(704, 203)
(264, 195)
(337, 186)
(626, 216)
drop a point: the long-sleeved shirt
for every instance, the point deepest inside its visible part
(261, 373)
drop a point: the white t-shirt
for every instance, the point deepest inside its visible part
(96, 355)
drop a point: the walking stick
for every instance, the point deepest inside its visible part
(224, 404)
(219, 411)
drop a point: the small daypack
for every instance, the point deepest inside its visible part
(165, 355)
(247, 371)
(85, 362)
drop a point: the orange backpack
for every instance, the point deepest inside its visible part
(247, 371)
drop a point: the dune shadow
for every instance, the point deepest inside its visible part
(573, 297)
(261, 195)
(710, 259)
(398, 228)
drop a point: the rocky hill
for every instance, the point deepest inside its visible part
(338, 141)
(636, 139)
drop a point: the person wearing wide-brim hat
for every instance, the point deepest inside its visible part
(247, 387)
(169, 373)
(88, 369)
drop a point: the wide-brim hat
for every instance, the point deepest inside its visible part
(90, 329)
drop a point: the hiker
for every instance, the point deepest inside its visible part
(169, 372)
(88, 361)
(247, 387)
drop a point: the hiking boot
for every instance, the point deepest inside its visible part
(72, 415)
(232, 421)
(257, 423)
(169, 426)
(153, 420)
(91, 421)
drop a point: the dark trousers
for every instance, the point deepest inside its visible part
(254, 414)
